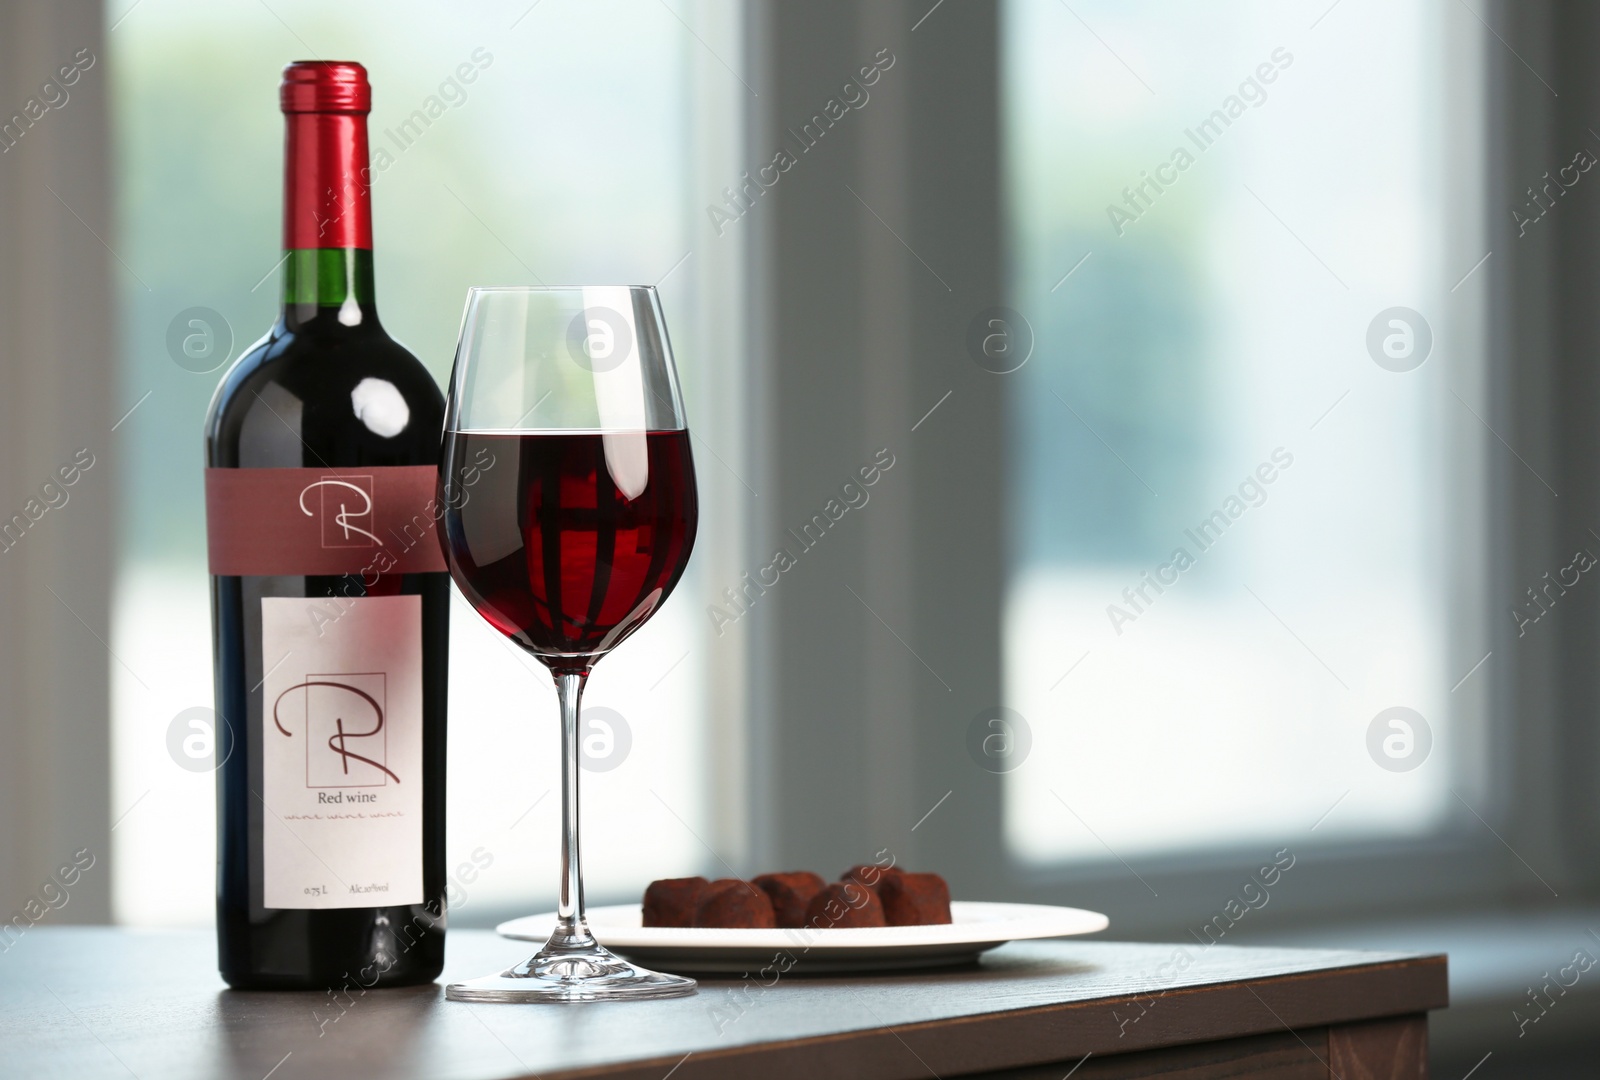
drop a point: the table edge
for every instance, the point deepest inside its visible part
(1044, 1034)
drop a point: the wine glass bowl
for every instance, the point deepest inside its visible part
(570, 511)
(589, 563)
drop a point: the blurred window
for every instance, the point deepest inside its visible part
(1246, 503)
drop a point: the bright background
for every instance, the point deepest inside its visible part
(1172, 362)
(1225, 323)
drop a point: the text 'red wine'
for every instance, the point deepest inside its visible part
(330, 600)
(573, 538)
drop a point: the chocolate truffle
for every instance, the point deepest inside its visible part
(671, 901)
(735, 905)
(791, 893)
(844, 904)
(914, 899)
(869, 874)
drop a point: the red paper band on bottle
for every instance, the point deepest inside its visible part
(327, 184)
(319, 522)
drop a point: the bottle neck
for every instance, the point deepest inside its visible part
(327, 220)
(331, 286)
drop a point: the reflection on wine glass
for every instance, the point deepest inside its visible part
(564, 404)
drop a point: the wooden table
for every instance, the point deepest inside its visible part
(108, 1002)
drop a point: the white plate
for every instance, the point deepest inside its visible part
(975, 928)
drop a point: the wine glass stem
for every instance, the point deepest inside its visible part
(571, 924)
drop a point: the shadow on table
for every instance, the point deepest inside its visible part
(997, 966)
(369, 1032)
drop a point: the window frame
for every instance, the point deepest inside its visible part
(58, 365)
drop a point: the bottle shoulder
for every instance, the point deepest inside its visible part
(310, 396)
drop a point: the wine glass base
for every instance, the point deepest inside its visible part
(555, 976)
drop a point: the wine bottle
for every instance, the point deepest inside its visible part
(330, 599)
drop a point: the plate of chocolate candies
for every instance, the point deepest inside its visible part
(874, 918)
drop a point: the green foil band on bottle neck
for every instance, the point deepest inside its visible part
(327, 277)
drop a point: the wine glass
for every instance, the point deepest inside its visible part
(569, 512)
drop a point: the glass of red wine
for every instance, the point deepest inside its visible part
(569, 514)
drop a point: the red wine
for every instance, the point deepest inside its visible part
(330, 600)
(572, 539)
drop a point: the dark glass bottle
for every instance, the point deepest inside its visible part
(330, 604)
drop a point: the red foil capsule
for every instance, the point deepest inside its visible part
(327, 180)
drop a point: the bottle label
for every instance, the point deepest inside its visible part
(341, 761)
(368, 521)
